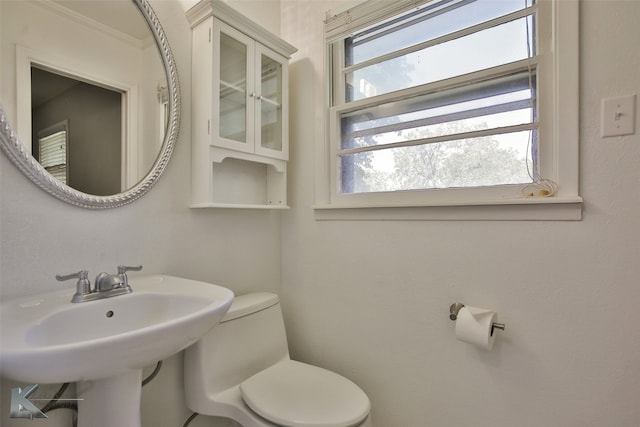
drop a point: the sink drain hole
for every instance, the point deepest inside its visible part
(110, 313)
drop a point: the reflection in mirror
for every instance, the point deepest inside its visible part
(77, 156)
(92, 88)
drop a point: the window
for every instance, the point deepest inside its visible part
(52, 150)
(452, 102)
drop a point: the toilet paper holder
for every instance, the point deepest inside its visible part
(455, 309)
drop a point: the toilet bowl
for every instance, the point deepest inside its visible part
(242, 370)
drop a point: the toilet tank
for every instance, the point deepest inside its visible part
(250, 338)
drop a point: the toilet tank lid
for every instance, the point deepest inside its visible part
(246, 304)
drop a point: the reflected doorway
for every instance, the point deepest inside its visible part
(93, 118)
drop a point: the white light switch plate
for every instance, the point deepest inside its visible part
(618, 116)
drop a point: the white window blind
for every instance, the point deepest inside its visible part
(53, 153)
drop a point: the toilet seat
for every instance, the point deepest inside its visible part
(294, 394)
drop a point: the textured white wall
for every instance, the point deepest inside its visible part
(371, 299)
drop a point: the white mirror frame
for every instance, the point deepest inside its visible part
(23, 160)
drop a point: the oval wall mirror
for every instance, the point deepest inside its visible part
(92, 91)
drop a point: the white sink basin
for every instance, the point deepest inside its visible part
(48, 339)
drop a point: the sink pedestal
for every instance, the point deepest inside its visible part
(109, 402)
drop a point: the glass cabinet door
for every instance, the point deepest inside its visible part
(233, 68)
(271, 104)
(271, 133)
(233, 89)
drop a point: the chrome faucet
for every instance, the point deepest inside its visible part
(106, 282)
(106, 285)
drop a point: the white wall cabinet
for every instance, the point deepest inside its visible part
(240, 110)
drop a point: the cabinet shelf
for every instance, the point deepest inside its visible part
(242, 180)
(237, 206)
(271, 102)
(239, 87)
(230, 91)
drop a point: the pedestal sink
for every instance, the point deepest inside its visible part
(103, 345)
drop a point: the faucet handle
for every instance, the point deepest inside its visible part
(122, 273)
(83, 286)
(81, 275)
(122, 269)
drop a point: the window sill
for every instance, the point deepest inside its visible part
(520, 209)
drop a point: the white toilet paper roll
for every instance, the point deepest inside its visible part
(474, 325)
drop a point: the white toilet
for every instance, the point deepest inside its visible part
(242, 370)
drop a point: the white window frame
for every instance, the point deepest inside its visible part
(558, 26)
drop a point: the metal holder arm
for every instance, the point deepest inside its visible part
(454, 310)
